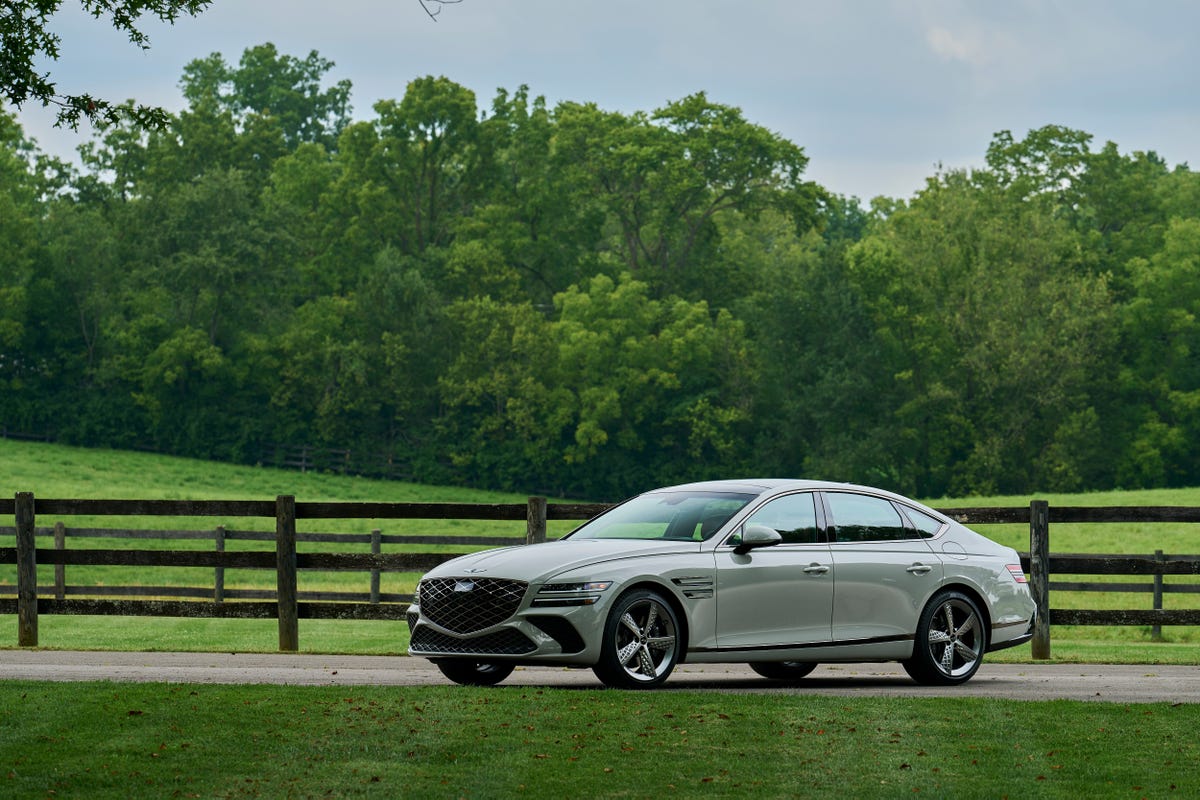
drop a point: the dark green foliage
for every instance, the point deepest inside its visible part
(25, 42)
(581, 302)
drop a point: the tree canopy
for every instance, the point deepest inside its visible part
(586, 303)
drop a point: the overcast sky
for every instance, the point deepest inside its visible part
(877, 92)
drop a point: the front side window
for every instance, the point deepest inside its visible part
(863, 518)
(793, 516)
(682, 515)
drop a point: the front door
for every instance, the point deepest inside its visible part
(779, 596)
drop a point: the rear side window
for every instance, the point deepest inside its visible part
(927, 525)
(793, 516)
(863, 518)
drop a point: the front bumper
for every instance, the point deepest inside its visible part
(532, 638)
(505, 620)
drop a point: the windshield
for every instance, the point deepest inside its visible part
(683, 515)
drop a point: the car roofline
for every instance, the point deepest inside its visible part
(761, 486)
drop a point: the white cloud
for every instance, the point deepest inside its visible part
(955, 47)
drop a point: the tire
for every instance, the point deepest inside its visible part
(641, 642)
(783, 670)
(470, 672)
(950, 641)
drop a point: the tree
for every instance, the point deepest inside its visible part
(19, 195)
(996, 339)
(80, 261)
(24, 38)
(662, 182)
(819, 406)
(621, 391)
(407, 178)
(1048, 161)
(272, 90)
(302, 223)
(20, 210)
(504, 414)
(1161, 370)
(659, 388)
(522, 217)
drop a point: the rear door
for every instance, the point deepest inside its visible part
(885, 568)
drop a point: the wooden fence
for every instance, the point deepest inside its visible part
(1040, 563)
(286, 604)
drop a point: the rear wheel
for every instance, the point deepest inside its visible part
(470, 672)
(641, 642)
(783, 670)
(950, 641)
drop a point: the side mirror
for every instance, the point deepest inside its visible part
(755, 536)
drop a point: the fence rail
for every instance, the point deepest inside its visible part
(288, 605)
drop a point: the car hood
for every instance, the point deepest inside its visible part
(538, 562)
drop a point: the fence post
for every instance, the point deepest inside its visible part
(535, 521)
(1039, 574)
(219, 572)
(27, 613)
(376, 549)
(1156, 629)
(60, 570)
(285, 568)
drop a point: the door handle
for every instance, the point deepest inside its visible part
(816, 569)
(919, 569)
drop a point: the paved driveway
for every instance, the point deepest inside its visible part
(1107, 683)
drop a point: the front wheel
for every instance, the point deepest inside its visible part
(641, 642)
(470, 672)
(950, 641)
(783, 670)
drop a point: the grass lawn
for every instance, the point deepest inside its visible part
(111, 740)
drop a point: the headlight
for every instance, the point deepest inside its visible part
(570, 594)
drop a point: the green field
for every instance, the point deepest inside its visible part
(114, 740)
(107, 740)
(55, 471)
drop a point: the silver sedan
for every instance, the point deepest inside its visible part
(779, 574)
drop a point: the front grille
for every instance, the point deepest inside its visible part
(505, 642)
(467, 605)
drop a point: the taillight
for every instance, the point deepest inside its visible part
(1017, 573)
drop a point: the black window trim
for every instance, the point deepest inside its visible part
(905, 509)
(823, 531)
(831, 527)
